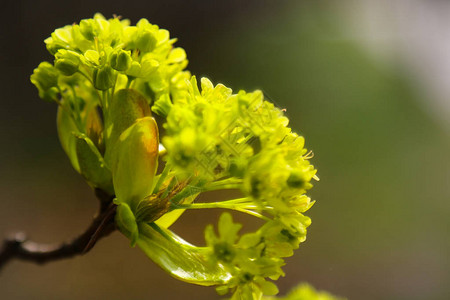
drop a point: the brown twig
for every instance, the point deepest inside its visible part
(18, 247)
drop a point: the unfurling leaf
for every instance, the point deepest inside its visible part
(126, 221)
(179, 258)
(125, 108)
(66, 127)
(92, 166)
(134, 161)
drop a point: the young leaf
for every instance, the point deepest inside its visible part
(66, 127)
(125, 108)
(179, 258)
(92, 166)
(126, 222)
(134, 161)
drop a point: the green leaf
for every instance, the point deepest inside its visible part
(134, 159)
(125, 108)
(94, 128)
(126, 222)
(92, 166)
(103, 78)
(66, 127)
(179, 258)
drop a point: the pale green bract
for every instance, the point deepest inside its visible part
(107, 78)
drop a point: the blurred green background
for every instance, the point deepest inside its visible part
(381, 222)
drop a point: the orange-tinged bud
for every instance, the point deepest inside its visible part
(134, 160)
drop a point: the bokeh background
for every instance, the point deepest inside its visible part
(366, 82)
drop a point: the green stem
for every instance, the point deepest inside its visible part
(231, 204)
(104, 100)
(114, 86)
(77, 112)
(129, 80)
(239, 204)
(161, 178)
(92, 83)
(69, 111)
(255, 214)
(225, 184)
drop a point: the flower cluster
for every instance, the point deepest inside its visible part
(105, 76)
(108, 77)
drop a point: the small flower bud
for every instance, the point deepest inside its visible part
(134, 69)
(52, 46)
(87, 29)
(103, 78)
(92, 57)
(145, 41)
(67, 62)
(296, 179)
(66, 67)
(120, 60)
(45, 78)
(177, 55)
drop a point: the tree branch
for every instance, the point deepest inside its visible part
(18, 247)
